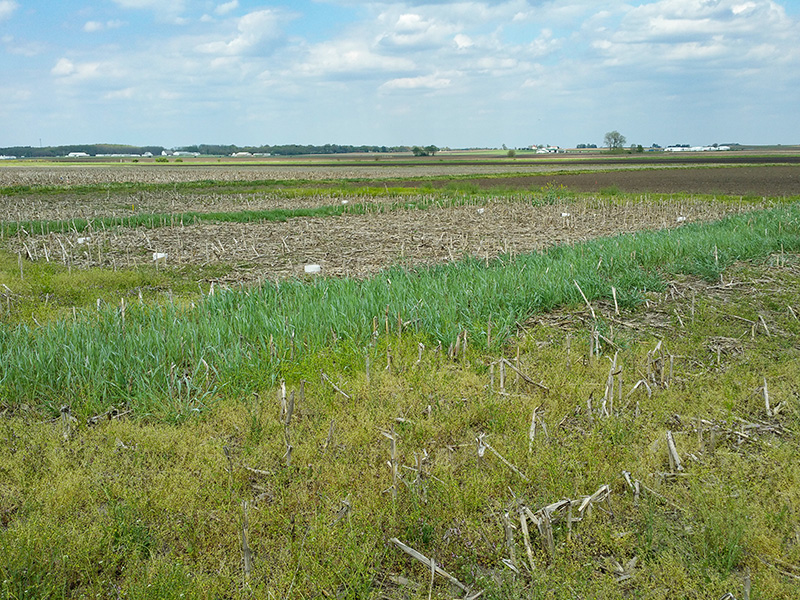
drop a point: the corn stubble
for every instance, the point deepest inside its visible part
(556, 425)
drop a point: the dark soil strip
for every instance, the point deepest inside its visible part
(739, 181)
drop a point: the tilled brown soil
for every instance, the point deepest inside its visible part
(758, 181)
(783, 180)
(361, 245)
(656, 176)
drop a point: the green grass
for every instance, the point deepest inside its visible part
(146, 501)
(146, 509)
(173, 358)
(42, 292)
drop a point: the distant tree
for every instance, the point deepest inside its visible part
(614, 140)
(426, 151)
(511, 153)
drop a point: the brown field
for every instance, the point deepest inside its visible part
(767, 181)
(97, 174)
(359, 245)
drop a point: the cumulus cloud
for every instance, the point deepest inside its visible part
(350, 56)
(67, 70)
(720, 34)
(463, 41)
(254, 32)
(676, 21)
(224, 9)
(411, 30)
(7, 8)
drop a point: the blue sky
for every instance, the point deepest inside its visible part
(458, 74)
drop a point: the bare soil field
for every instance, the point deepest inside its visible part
(66, 206)
(89, 174)
(361, 245)
(764, 181)
(768, 180)
(739, 174)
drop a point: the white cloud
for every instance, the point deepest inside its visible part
(95, 26)
(494, 64)
(224, 9)
(351, 55)
(429, 82)
(123, 94)
(714, 34)
(67, 70)
(63, 67)
(254, 31)
(22, 47)
(14, 94)
(680, 20)
(165, 10)
(149, 4)
(463, 41)
(7, 8)
(410, 30)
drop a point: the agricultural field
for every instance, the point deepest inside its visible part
(508, 380)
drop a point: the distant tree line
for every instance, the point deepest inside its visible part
(203, 149)
(288, 149)
(92, 149)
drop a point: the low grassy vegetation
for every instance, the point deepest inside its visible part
(173, 440)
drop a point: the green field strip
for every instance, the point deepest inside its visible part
(267, 328)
